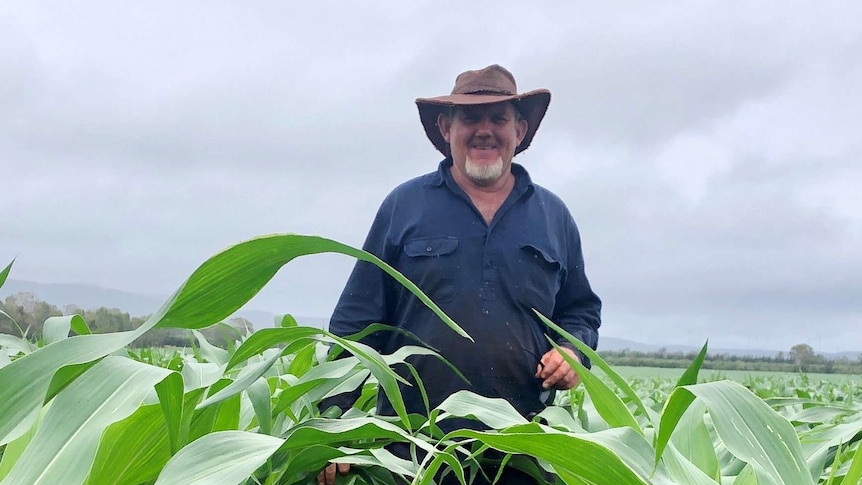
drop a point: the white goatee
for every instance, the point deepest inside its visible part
(482, 174)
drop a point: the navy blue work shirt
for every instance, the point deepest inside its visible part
(488, 278)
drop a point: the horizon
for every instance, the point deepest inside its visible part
(738, 348)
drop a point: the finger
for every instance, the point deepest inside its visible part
(567, 382)
(343, 468)
(558, 375)
(329, 474)
(553, 361)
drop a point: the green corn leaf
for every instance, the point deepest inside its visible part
(674, 408)
(27, 379)
(245, 378)
(64, 447)
(170, 392)
(228, 280)
(286, 321)
(133, 450)
(618, 456)
(57, 328)
(259, 395)
(210, 352)
(226, 457)
(494, 412)
(694, 443)
(681, 470)
(750, 429)
(854, 474)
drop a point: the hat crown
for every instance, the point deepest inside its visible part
(494, 79)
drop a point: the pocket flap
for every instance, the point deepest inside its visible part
(431, 246)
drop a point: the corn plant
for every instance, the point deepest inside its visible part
(88, 409)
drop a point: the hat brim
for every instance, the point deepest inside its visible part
(532, 105)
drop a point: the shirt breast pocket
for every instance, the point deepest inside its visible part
(429, 263)
(542, 273)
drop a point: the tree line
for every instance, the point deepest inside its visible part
(800, 358)
(25, 314)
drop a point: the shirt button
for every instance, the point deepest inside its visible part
(428, 249)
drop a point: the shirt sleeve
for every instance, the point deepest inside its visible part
(578, 308)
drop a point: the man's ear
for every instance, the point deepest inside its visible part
(521, 130)
(445, 124)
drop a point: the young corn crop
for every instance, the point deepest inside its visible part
(87, 409)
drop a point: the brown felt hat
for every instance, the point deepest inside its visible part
(493, 84)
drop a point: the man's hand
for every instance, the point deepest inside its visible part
(556, 372)
(327, 475)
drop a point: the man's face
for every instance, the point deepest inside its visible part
(483, 139)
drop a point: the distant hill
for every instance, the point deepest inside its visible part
(89, 296)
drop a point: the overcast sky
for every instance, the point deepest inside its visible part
(709, 151)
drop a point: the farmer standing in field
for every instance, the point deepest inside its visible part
(488, 246)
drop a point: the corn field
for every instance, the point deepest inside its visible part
(86, 409)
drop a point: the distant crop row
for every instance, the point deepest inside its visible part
(88, 409)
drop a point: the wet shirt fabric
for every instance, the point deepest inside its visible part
(488, 278)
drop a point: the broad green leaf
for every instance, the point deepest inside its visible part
(64, 376)
(854, 474)
(321, 431)
(227, 414)
(13, 451)
(681, 470)
(210, 352)
(259, 395)
(225, 457)
(170, 392)
(133, 450)
(286, 321)
(245, 378)
(746, 477)
(303, 360)
(228, 280)
(26, 380)
(674, 408)
(370, 358)
(197, 375)
(57, 328)
(63, 448)
(693, 442)
(267, 338)
(16, 345)
(754, 432)
(494, 412)
(618, 456)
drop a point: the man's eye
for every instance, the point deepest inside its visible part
(499, 120)
(470, 119)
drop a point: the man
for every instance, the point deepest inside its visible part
(488, 246)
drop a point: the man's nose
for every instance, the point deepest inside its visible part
(484, 125)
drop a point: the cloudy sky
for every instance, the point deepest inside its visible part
(709, 151)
